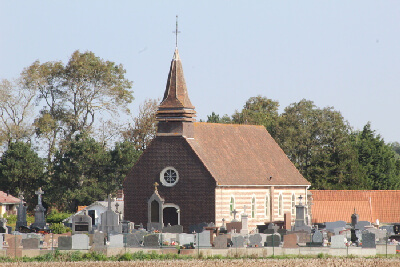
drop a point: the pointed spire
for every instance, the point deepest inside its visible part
(176, 105)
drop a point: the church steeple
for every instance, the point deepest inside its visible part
(175, 109)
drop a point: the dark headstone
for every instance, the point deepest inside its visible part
(261, 228)
(354, 219)
(396, 229)
(198, 228)
(40, 220)
(273, 240)
(221, 242)
(135, 240)
(64, 242)
(368, 240)
(30, 243)
(174, 229)
(269, 231)
(290, 241)
(151, 240)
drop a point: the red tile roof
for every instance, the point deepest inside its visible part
(334, 205)
(243, 155)
(8, 199)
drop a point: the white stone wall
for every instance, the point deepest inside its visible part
(244, 195)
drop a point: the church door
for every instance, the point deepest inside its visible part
(170, 215)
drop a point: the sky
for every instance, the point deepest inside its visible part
(341, 54)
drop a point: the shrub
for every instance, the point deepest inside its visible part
(57, 217)
(59, 228)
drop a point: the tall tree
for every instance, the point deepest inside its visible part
(378, 160)
(16, 105)
(144, 126)
(259, 111)
(21, 170)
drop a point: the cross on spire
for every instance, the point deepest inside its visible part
(176, 32)
(39, 193)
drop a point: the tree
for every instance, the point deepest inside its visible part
(21, 170)
(259, 111)
(215, 118)
(80, 174)
(378, 160)
(396, 148)
(74, 94)
(16, 104)
(144, 126)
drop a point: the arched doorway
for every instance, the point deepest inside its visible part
(171, 214)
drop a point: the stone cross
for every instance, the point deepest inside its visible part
(223, 222)
(39, 193)
(116, 207)
(234, 214)
(21, 197)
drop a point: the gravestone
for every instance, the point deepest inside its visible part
(245, 220)
(238, 241)
(273, 240)
(303, 237)
(151, 240)
(80, 241)
(354, 218)
(368, 240)
(290, 241)
(21, 214)
(186, 239)
(330, 226)
(98, 241)
(176, 229)
(40, 221)
(221, 242)
(135, 240)
(338, 241)
(255, 240)
(317, 237)
(380, 235)
(197, 228)
(14, 245)
(110, 221)
(396, 228)
(30, 243)
(64, 242)
(127, 227)
(361, 225)
(116, 241)
(203, 239)
(81, 224)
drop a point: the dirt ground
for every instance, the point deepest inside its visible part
(247, 262)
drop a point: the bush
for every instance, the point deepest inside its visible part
(59, 228)
(57, 217)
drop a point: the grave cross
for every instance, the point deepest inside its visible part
(223, 222)
(39, 193)
(234, 214)
(116, 207)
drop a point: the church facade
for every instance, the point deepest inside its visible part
(195, 172)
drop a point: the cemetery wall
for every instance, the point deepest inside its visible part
(244, 195)
(194, 192)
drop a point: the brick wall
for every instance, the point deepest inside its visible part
(194, 193)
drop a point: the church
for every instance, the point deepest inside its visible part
(195, 172)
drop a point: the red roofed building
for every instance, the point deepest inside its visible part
(205, 170)
(8, 204)
(370, 205)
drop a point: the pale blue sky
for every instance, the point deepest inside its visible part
(343, 54)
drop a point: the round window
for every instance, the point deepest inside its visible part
(169, 176)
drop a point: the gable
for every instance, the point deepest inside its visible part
(243, 155)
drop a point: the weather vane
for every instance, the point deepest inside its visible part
(176, 32)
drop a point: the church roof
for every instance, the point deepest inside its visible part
(243, 155)
(176, 105)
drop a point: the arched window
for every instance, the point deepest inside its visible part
(280, 205)
(232, 204)
(267, 206)
(253, 207)
(293, 204)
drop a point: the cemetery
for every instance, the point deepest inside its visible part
(232, 239)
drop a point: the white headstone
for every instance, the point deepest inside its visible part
(80, 241)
